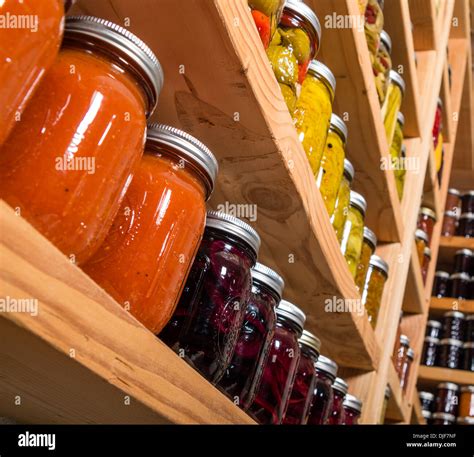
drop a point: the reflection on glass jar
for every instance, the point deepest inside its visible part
(341, 208)
(352, 410)
(266, 15)
(447, 398)
(369, 244)
(441, 284)
(339, 390)
(392, 103)
(469, 328)
(377, 275)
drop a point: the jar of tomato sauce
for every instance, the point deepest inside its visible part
(145, 258)
(67, 165)
(26, 53)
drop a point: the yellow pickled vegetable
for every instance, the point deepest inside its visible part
(373, 25)
(390, 108)
(297, 40)
(289, 96)
(267, 7)
(351, 245)
(363, 265)
(373, 290)
(438, 153)
(284, 65)
(276, 39)
(341, 208)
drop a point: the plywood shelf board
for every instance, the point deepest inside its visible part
(430, 377)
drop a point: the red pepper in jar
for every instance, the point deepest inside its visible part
(263, 26)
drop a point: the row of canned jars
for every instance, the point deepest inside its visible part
(459, 214)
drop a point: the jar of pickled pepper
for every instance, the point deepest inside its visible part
(339, 389)
(426, 221)
(352, 410)
(406, 369)
(373, 26)
(293, 46)
(426, 263)
(382, 65)
(421, 240)
(312, 115)
(351, 244)
(398, 137)
(400, 172)
(372, 292)
(266, 15)
(332, 163)
(369, 243)
(341, 208)
(392, 103)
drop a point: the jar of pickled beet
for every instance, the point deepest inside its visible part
(450, 223)
(421, 240)
(433, 329)
(430, 350)
(206, 324)
(460, 286)
(341, 208)
(466, 402)
(332, 163)
(382, 64)
(293, 46)
(466, 225)
(426, 400)
(450, 353)
(28, 51)
(442, 419)
(426, 264)
(406, 369)
(463, 261)
(303, 388)
(326, 371)
(67, 165)
(392, 103)
(441, 284)
(426, 221)
(401, 355)
(467, 202)
(351, 244)
(339, 390)
(467, 356)
(144, 260)
(242, 377)
(273, 394)
(469, 328)
(266, 15)
(372, 292)
(369, 243)
(447, 398)
(453, 325)
(312, 115)
(352, 410)
(453, 201)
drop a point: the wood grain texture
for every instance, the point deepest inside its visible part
(414, 299)
(114, 355)
(439, 306)
(430, 377)
(399, 408)
(424, 18)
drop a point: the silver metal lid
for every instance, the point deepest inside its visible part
(388, 392)
(440, 102)
(451, 342)
(466, 420)
(352, 402)
(428, 212)
(340, 385)
(467, 216)
(427, 252)
(461, 275)
(434, 324)
(464, 252)
(401, 118)
(451, 213)
(420, 234)
(398, 80)
(349, 170)
(304, 12)
(444, 416)
(261, 273)
(432, 339)
(308, 339)
(318, 69)
(454, 191)
(379, 263)
(339, 126)
(105, 34)
(385, 39)
(327, 365)
(411, 353)
(470, 317)
(370, 237)
(426, 395)
(469, 193)
(426, 414)
(404, 340)
(442, 274)
(468, 345)
(448, 385)
(358, 201)
(234, 226)
(456, 314)
(292, 312)
(173, 141)
(467, 389)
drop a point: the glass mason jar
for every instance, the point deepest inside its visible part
(67, 165)
(341, 208)
(469, 328)
(460, 286)
(433, 329)
(442, 419)
(441, 284)
(205, 326)
(466, 225)
(373, 26)
(339, 390)
(400, 172)
(453, 201)
(332, 163)
(397, 141)
(293, 46)
(326, 371)
(351, 244)
(426, 221)
(447, 398)
(242, 377)
(450, 223)
(406, 369)
(273, 394)
(426, 400)
(393, 102)
(421, 240)
(453, 325)
(466, 401)
(352, 410)
(463, 261)
(450, 353)
(377, 275)
(438, 122)
(369, 243)
(266, 15)
(144, 260)
(426, 263)
(467, 202)
(27, 53)
(382, 64)
(467, 362)
(430, 351)
(401, 354)
(312, 115)
(302, 393)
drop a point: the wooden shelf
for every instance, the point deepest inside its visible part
(430, 377)
(399, 406)
(439, 306)
(83, 358)
(414, 300)
(424, 19)
(449, 245)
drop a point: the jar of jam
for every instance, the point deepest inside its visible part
(465, 421)
(460, 286)
(266, 15)
(421, 240)
(447, 398)
(426, 400)
(312, 115)
(143, 261)
(406, 369)
(463, 261)
(442, 419)
(450, 223)
(430, 350)
(382, 64)
(352, 410)
(468, 356)
(453, 201)
(341, 208)
(67, 165)
(426, 264)
(441, 284)
(466, 402)
(426, 221)
(466, 225)
(28, 51)
(392, 103)
(206, 324)
(339, 390)
(467, 202)
(303, 388)
(433, 329)
(450, 353)
(469, 328)
(332, 163)
(372, 292)
(273, 394)
(401, 356)
(294, 45)
(369, 243)
(453, 325)
(351, 244)
(242, 377)
(326, 371)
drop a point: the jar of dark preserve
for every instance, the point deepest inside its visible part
(450, 223)
(466, 225)
(406, 369)
(453, 201)
(442, 419)
(433, 328)
(401, 355)
(460, 285)
(326, 371)
(469, 328)
(447, 398)
(426, 400)
(339, 390)
(430, 350)
(207, 321)
(468, 202)
(468, 356)
(426, 263)
(243, 375)
(463, 261)
(450, 353)
(352, 410)
(303, 388)
(426, 221)
(453, 325)
(441, 284)
(273, 394)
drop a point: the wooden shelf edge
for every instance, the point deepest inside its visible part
(431, 376)
(446, 304)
